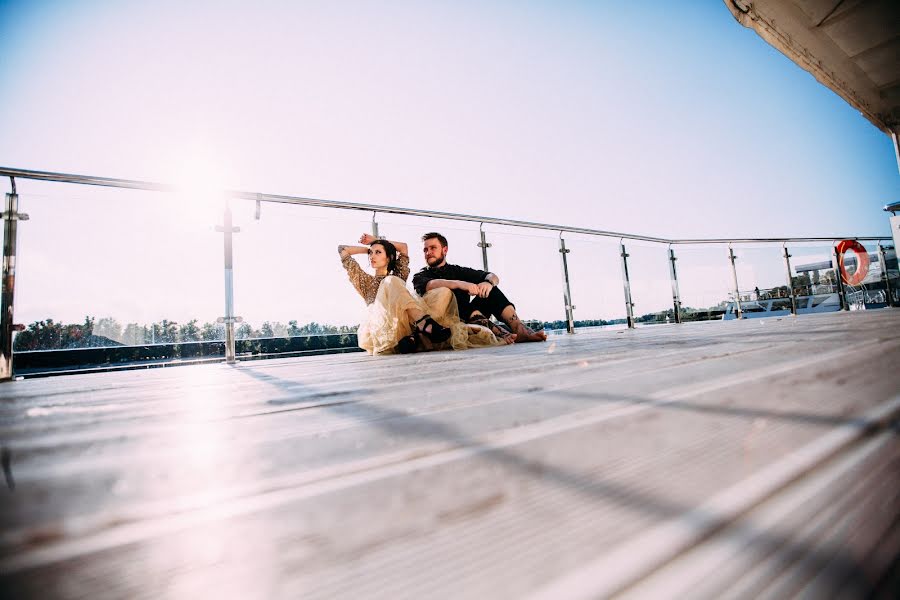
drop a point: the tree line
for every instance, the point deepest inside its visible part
(107, 331)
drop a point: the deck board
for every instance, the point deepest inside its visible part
(485, 473)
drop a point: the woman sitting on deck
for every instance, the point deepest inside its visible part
(396, 320)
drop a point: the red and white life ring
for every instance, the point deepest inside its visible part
(862, 261)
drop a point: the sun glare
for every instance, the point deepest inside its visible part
(199, 196)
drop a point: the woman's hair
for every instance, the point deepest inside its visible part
(391, 251)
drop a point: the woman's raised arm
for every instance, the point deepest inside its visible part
(346, 251)
(401, 247)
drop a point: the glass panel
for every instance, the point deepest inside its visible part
(596, 280)
(530, 272)
(763, 281)
(651, 287)
(890, 255)
(288, 277)
(813, 278)
(871, 291)
(704, 280)
(105, 267)
(289, 280)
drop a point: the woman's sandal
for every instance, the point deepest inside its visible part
(433, 330)
(408, 344)
(500, 331)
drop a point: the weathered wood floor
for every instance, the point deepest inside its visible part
(755, 458)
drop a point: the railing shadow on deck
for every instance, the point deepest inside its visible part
(838, 565)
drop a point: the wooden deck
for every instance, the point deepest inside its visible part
(755, 458)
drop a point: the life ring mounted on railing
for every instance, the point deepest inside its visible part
(862, 261)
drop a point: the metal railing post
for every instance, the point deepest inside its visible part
(790, 281)
(882, 260)
(626, 285)
(838, 279)
(229, 320)
(374, 225)
(11, 216)
(737, 289)
(483, 244)
(567, 291)
(676, 294)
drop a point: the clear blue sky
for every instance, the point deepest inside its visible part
(655, 118)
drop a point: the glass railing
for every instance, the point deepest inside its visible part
(596, 281)
(103, 268)
(134, 271)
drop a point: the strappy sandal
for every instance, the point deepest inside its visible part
(433, 330)
(499, 330)
(408, 344)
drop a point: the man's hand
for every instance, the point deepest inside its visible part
(471, 288)
(366, 239)
(484, 289)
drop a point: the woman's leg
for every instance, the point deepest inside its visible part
(414, 313)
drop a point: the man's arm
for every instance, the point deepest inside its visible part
(479, 283)
(483, 288)
(490, 282)
(453, 284)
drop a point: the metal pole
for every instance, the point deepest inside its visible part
(882, 260)
(676, 294)
(374, 226)
(737, 291)
(838, 280)
(483, 244)
(229, 230)
(626, 284)
(11, 216)
(567, 291)
(790, 281)
(896, 147)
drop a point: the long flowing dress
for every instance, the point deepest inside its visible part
(386, 321)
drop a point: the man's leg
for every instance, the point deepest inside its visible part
(498, 305)
(525, 334)
(482, 308)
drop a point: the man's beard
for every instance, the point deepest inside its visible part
(435, 261)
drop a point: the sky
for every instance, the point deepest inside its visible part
(653, 118)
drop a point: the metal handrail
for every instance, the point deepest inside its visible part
(828, 239)
(303, 201)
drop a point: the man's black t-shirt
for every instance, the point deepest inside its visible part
(448, 271)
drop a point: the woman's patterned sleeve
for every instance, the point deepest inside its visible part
(354, 271)
(403, 266)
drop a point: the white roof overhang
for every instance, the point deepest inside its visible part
(850, 46)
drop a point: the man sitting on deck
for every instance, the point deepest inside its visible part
(487, 299)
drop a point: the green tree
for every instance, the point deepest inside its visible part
(134, 335)
(244, 332)
(210, 332)
(189, 332)
(164, 332)
(108, 328)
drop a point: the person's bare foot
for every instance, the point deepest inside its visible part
(526, 334)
